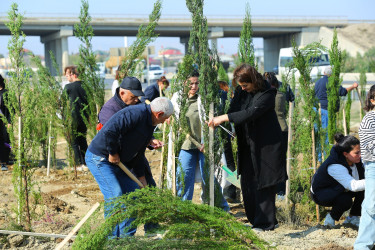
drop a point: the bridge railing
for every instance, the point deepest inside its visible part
(70, 17)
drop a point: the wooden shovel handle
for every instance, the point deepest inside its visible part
(130, 174)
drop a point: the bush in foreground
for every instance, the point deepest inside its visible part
(186, 225)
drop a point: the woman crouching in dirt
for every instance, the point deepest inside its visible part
(339, 179)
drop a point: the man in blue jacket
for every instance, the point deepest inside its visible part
(124, 138)
(127, 95)
(154, 90)
(321, 94)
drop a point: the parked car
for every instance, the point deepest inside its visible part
(101, 69)
(276, 70)
(154, 72)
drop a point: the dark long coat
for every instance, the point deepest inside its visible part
(257, 127)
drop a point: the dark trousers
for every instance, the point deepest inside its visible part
(79, 144)
(141, 161)
(4, 139)
(259, 204)
(340, 203)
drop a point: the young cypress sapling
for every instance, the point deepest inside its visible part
(334, 83)
(92, 83)
(146, 34)
(245, 45)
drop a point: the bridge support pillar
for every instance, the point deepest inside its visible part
(57, 43)
(185, 42)
(214, 34)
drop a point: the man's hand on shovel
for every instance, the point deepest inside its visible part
(115, 159)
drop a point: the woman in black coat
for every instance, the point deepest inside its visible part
(4, 137)
(252, 111)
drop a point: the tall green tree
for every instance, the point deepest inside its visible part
(303, 121)
(362, 87)
(92, 83)
(334, 83)
(49, 90)
(204, 59)
(31, 100)
(348, 106)
(207, 61)
(245, 45)
(222, 74)
(146, 34)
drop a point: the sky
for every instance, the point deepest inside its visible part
(360, 10)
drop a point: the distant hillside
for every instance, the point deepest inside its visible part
(362, 34)
(355, 38)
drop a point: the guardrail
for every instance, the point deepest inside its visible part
(222, 19)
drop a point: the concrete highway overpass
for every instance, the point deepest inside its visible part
(277, 31)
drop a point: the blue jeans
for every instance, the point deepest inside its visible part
(366, 231)
(188, 160)
(324, 118)
(113, 182)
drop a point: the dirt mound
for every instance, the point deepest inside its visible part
(331, 247)
(320, 237)
(56, 204)
(362, 34)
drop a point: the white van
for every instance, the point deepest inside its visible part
(101, 69)
(319, 63)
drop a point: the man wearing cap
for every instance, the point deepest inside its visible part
(321, 94)
(125, 95)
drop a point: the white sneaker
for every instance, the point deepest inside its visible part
(258, 230)
(84, 167)
(79, 168)
(354, 220)
(329, 221)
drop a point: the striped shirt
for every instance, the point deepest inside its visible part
(367, 137)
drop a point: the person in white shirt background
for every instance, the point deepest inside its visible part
(115, 83)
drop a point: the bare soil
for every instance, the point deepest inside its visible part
(66, 199)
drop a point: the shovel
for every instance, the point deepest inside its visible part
(130, 174)
(232, 176)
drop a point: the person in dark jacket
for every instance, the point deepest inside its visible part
(340, 179)
(4, 136)
(124, 138)
(127, 94)
(289, 95)
(280, 108)
(154, 90)
(78, 101)
(259, 145)
(321, 93)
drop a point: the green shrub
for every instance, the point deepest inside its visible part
(186, 225)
